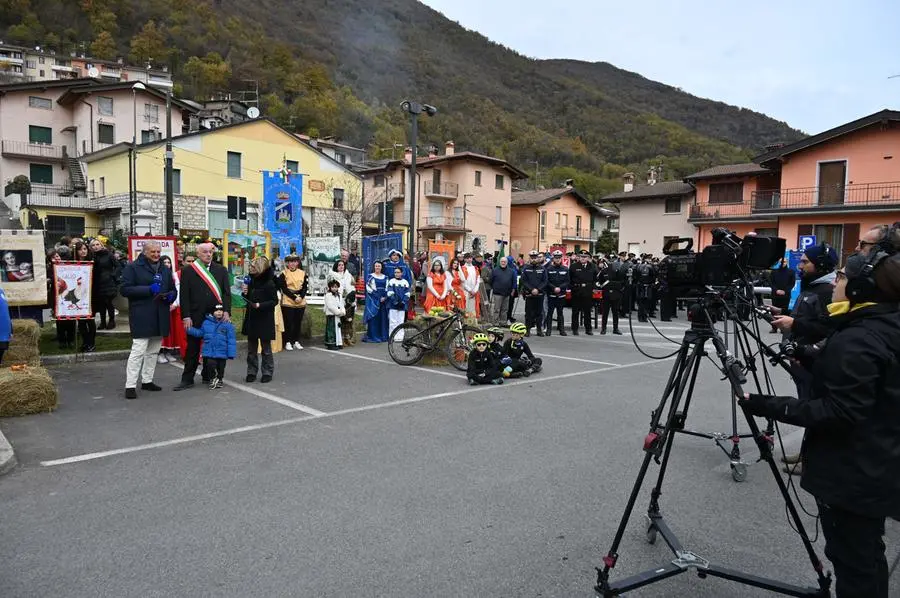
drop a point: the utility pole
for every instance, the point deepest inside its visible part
(466, 196)
(414, 109)
(170, 200)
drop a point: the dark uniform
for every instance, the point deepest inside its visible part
(582, 277)
(534, 277)
(617, 276)
(557, 278)
(645, 279)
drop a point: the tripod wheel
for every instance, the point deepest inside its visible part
(651, 534)
(739, 471)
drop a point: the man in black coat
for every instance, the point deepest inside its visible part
(582, 275)
(783, 280)
(534, 283)
(557, 285)
(616, 278)
(150, 289)
(204, 284)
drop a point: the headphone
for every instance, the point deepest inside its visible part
(862, 287)
(821, 263)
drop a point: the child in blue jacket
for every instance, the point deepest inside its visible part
(219, 345)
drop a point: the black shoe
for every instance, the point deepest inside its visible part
(266, 378)
(617, 332)
(111, 325)
(88, 349)
(183, 386)
(250, 378)
(547, 332)
(150, 386)
(562, 332)
(540, 333)
(589, 332)
(603, 331)
(130, 393)
(574, 332)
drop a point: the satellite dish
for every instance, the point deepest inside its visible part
(93, 72)
(253, 112)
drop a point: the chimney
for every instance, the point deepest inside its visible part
(773, 146)
(628, 177)
(407, 155)
(449, 148)
(569, 183)
(432, 151)
(651, 176)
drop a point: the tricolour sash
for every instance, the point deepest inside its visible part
(206, 277)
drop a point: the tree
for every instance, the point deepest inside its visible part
(346, 214)
(104, 46)
(149, 46)
(20, 185)
(207, 74)
(608, 242)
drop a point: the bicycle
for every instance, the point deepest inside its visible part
(408, 342)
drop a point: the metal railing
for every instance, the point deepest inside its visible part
(58, 196)
(443, 221)
(397, 190)
(33, 150)
(441, 189)
(580, 234)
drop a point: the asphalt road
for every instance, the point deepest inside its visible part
(351, 476)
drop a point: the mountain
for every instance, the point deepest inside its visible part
(341, 67)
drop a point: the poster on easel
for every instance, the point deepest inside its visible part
(322, 253)
(72, 285)
(168, 247)
(240, 248)
(23, 277)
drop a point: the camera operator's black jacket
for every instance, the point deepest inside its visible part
(811, 320)
(851, 452)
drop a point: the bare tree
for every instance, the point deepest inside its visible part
(346, 200)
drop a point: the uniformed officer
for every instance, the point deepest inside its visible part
(645, 276)
(557, 285)
(533, 281)
(616, 278)
(582, 275)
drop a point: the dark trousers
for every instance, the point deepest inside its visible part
(625, 301)
(555, 305)
(643, 301)
(192, 360)
(214, 367)
(855, 546)
(534, 305)
(666, 307)
(509, 310)
(104, 307)
(87, 330)
(293, 317)
(614, 305)
(268, 362)
(581, 312)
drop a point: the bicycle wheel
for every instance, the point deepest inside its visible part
(407, 344)
(459, 345)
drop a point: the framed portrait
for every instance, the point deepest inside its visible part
(72, 285)
(240, 248)
(23, 275)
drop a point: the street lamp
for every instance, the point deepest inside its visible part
(414, 109)
(132, 162)
(466, 196)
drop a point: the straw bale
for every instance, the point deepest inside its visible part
(23, 347)
(25, 390)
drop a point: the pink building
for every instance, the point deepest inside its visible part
(835, 185)
(462, 197)
(546, 217)
(45, 126)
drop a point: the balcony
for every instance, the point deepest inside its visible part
(396, 191)
(720, 211)
(441, 190)
(579, 234)
(12, 59)
(444, 223)
(65, 68)
(26, 149)
(56, 196)
(111, 73)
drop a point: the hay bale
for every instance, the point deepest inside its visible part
(25, 390)
(23, 347)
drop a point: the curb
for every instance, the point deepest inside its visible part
(7, 455)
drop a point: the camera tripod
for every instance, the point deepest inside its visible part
(665, 422)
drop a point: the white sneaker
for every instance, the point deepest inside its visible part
(298, 346)
(288, 347)
(161, 358)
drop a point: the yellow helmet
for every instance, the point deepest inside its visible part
(479, 337)
(518, 328)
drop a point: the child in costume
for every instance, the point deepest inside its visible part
(334, 311)
(219, 345)
(483, 368)
(398, 293)
(519, 355)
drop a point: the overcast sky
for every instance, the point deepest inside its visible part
(815, 64)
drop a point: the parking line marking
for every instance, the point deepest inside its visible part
(468, 390)
(375, 359)
(267, 396)
(554, 356)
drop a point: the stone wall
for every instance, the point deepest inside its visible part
(191, 208)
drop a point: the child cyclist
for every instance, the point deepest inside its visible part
(517, 354)
(219, 345)
(483, 367)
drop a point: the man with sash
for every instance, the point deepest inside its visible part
(204, 284)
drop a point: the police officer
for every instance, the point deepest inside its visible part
(557, 285)
(645, 276)
(533, 281)
(613, 288)
(582, 275)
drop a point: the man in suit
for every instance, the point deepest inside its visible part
(204, 284)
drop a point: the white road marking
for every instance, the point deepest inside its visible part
(468, 390)
(375, 359)
(554, 356)
(267, 396)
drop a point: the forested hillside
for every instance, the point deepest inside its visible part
(341, 67)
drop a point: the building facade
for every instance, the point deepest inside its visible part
(552, 217)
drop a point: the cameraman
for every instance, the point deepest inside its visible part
(809, 323)
(851, 451)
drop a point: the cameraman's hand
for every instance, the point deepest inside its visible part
(775, 310)
(756, 404)
(780, 293)
(783, 322)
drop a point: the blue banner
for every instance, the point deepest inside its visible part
(377, 248)
(283, 209)
(793, 258)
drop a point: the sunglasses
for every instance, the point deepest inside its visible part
(840, 275)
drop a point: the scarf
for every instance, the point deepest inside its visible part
(839, 308)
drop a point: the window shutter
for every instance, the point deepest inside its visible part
(851, 239)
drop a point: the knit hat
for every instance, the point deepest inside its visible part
(823, 256)
(219, 307)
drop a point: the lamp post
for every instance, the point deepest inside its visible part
(132, 173)
(466, 196)
(414, 109)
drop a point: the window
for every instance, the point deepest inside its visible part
(578, 222)
(556, 220)
(176, 181)
(38, 134)
(379, 180)
(726, 193)
(337, 201)
(151, 113)
(833, 234)
(478, 178)
(338, 230)
(41, 173)
(102, 186)
(148, 136)
(673, 205)
(498, 215)
(436, 180)
(458, 213)
(42, 73)
(106, 133)
(92, 188)
(342, 158)
(30, 64)
(292, 165)
(766, 232)
(543, 225)
(217, 221)
(565, 221)
(58, 226)
(176, 222)
(234, 165)
(498, 181)
(41, 60)
(104, 106)
(613, 223)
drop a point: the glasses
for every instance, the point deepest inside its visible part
(840, 275)
(863, 244)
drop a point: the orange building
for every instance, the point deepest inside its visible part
(546, 217)
(835, 185)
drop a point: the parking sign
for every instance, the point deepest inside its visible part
(806, 241)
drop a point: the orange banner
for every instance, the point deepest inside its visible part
(443, 249)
